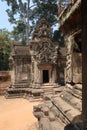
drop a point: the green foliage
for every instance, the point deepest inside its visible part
(58, 37)
(64, 3)
(40, 9)
(5, 48)
(18, 33)
(29, 14)
(46, 9)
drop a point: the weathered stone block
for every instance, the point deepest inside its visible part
(45, 124)
(45, 110)
(51, 116)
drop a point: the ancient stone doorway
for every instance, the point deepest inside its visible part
(45, 76)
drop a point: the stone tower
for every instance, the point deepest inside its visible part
(43, 55)
(35, 65)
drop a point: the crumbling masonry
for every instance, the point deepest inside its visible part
(35, 66)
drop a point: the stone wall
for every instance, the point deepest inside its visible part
(73, 70)
(5, 81)
(77, 68)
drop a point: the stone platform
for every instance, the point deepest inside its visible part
(63, 108)
(26, 90)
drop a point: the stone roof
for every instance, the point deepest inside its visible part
(42, 30)
(20, 50)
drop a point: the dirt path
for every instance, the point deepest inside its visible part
(16, 114)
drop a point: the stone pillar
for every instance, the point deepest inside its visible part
(32, 69)
(21, 69)
(37, 73)
(68, 71)
(84, 63)
(19, 72)
(41, 76)
(12, 70)
(54, 75)
(12, 76)
(50, 76)
(29, 72)
(15, 70)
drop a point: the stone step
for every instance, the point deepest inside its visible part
(47, 119)
(76, 93)
(67, 109)
(17, 92)
(53, 90)
(75, 90)
(56, 125)
(21, 81)
(17, 95)
(45, 124)
(37, 92)
(19, 89)
(72, 100)
(47, 89)
(26, 91)
(20, 85)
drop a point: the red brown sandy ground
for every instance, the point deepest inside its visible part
(16, 114)
(5, 84)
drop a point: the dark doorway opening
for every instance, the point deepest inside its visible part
(45, 76)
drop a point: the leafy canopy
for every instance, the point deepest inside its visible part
(5, 48)
(27, 12)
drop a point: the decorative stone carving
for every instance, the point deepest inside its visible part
(20, 61)
(45, 52)
(42, 30)
(36, 63)
(11, 62)
(43, 49)
(73, 60)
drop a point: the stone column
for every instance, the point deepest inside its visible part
(54, 75)
(50, 76)
(15, 70)
(21, 69)
(84, 63)
(68, 71)
(36, 73)
(29, 72)
(11, 72)
(41, 76)
(32, 69)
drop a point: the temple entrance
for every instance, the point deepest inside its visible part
(45, 76)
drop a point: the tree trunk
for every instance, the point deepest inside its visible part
(84, 63)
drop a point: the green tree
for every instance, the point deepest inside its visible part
(18, 33)
(46, 9)
(58, 37)
(28, 12)
(5, 48)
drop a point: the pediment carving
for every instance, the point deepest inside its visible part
(42, 30)
(45, 52)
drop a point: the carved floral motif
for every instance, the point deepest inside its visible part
(44, 51)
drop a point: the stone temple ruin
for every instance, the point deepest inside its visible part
(38, 67)
(34, 66)
(63, 110)
(70, 25)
